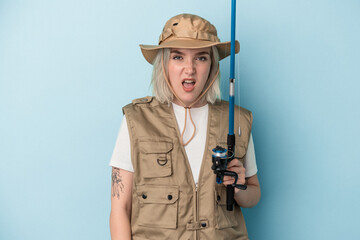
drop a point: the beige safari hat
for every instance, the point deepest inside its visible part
(188, 31)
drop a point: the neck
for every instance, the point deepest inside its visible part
(198, 104)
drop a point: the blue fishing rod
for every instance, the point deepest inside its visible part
(221, 157)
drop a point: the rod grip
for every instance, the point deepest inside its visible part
(231, 141)
(229, 197)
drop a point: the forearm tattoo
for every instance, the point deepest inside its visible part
(116, 183)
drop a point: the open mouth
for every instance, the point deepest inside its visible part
(188, 84)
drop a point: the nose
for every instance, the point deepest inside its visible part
(190, 67)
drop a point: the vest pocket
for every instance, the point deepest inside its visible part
(224, 218)
(158, 206)
(155, 158)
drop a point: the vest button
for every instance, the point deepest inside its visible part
(218, 198)
(203, 224)
(169, 197)
(144, 196)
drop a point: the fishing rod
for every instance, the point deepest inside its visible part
(221, 157)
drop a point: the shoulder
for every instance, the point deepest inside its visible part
(243, 113)
(147, 105)
(224, 105)
(143, 102)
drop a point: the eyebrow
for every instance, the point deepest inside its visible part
(199, 53)
(202, 53)
(176, 51)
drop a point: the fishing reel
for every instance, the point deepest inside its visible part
(220, 159)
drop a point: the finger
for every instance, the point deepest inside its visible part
(241, 180)
(238, 170)
(234, 162)
(230, 180)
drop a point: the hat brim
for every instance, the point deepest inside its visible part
(150, 51)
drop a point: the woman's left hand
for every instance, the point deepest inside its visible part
(235, 166)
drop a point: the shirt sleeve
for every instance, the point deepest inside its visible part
(250, 160)
(121, 157)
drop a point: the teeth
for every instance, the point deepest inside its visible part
(188, 81)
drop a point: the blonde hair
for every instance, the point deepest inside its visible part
(161, 89)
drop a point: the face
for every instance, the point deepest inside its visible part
(188, 72)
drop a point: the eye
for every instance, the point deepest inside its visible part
(202, 58)
(177, 57)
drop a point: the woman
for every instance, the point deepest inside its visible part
(162, 183)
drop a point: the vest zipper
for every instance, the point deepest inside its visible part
(196, 197)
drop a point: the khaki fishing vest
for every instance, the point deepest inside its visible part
(166, 203)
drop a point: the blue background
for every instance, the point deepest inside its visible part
(67, 68)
